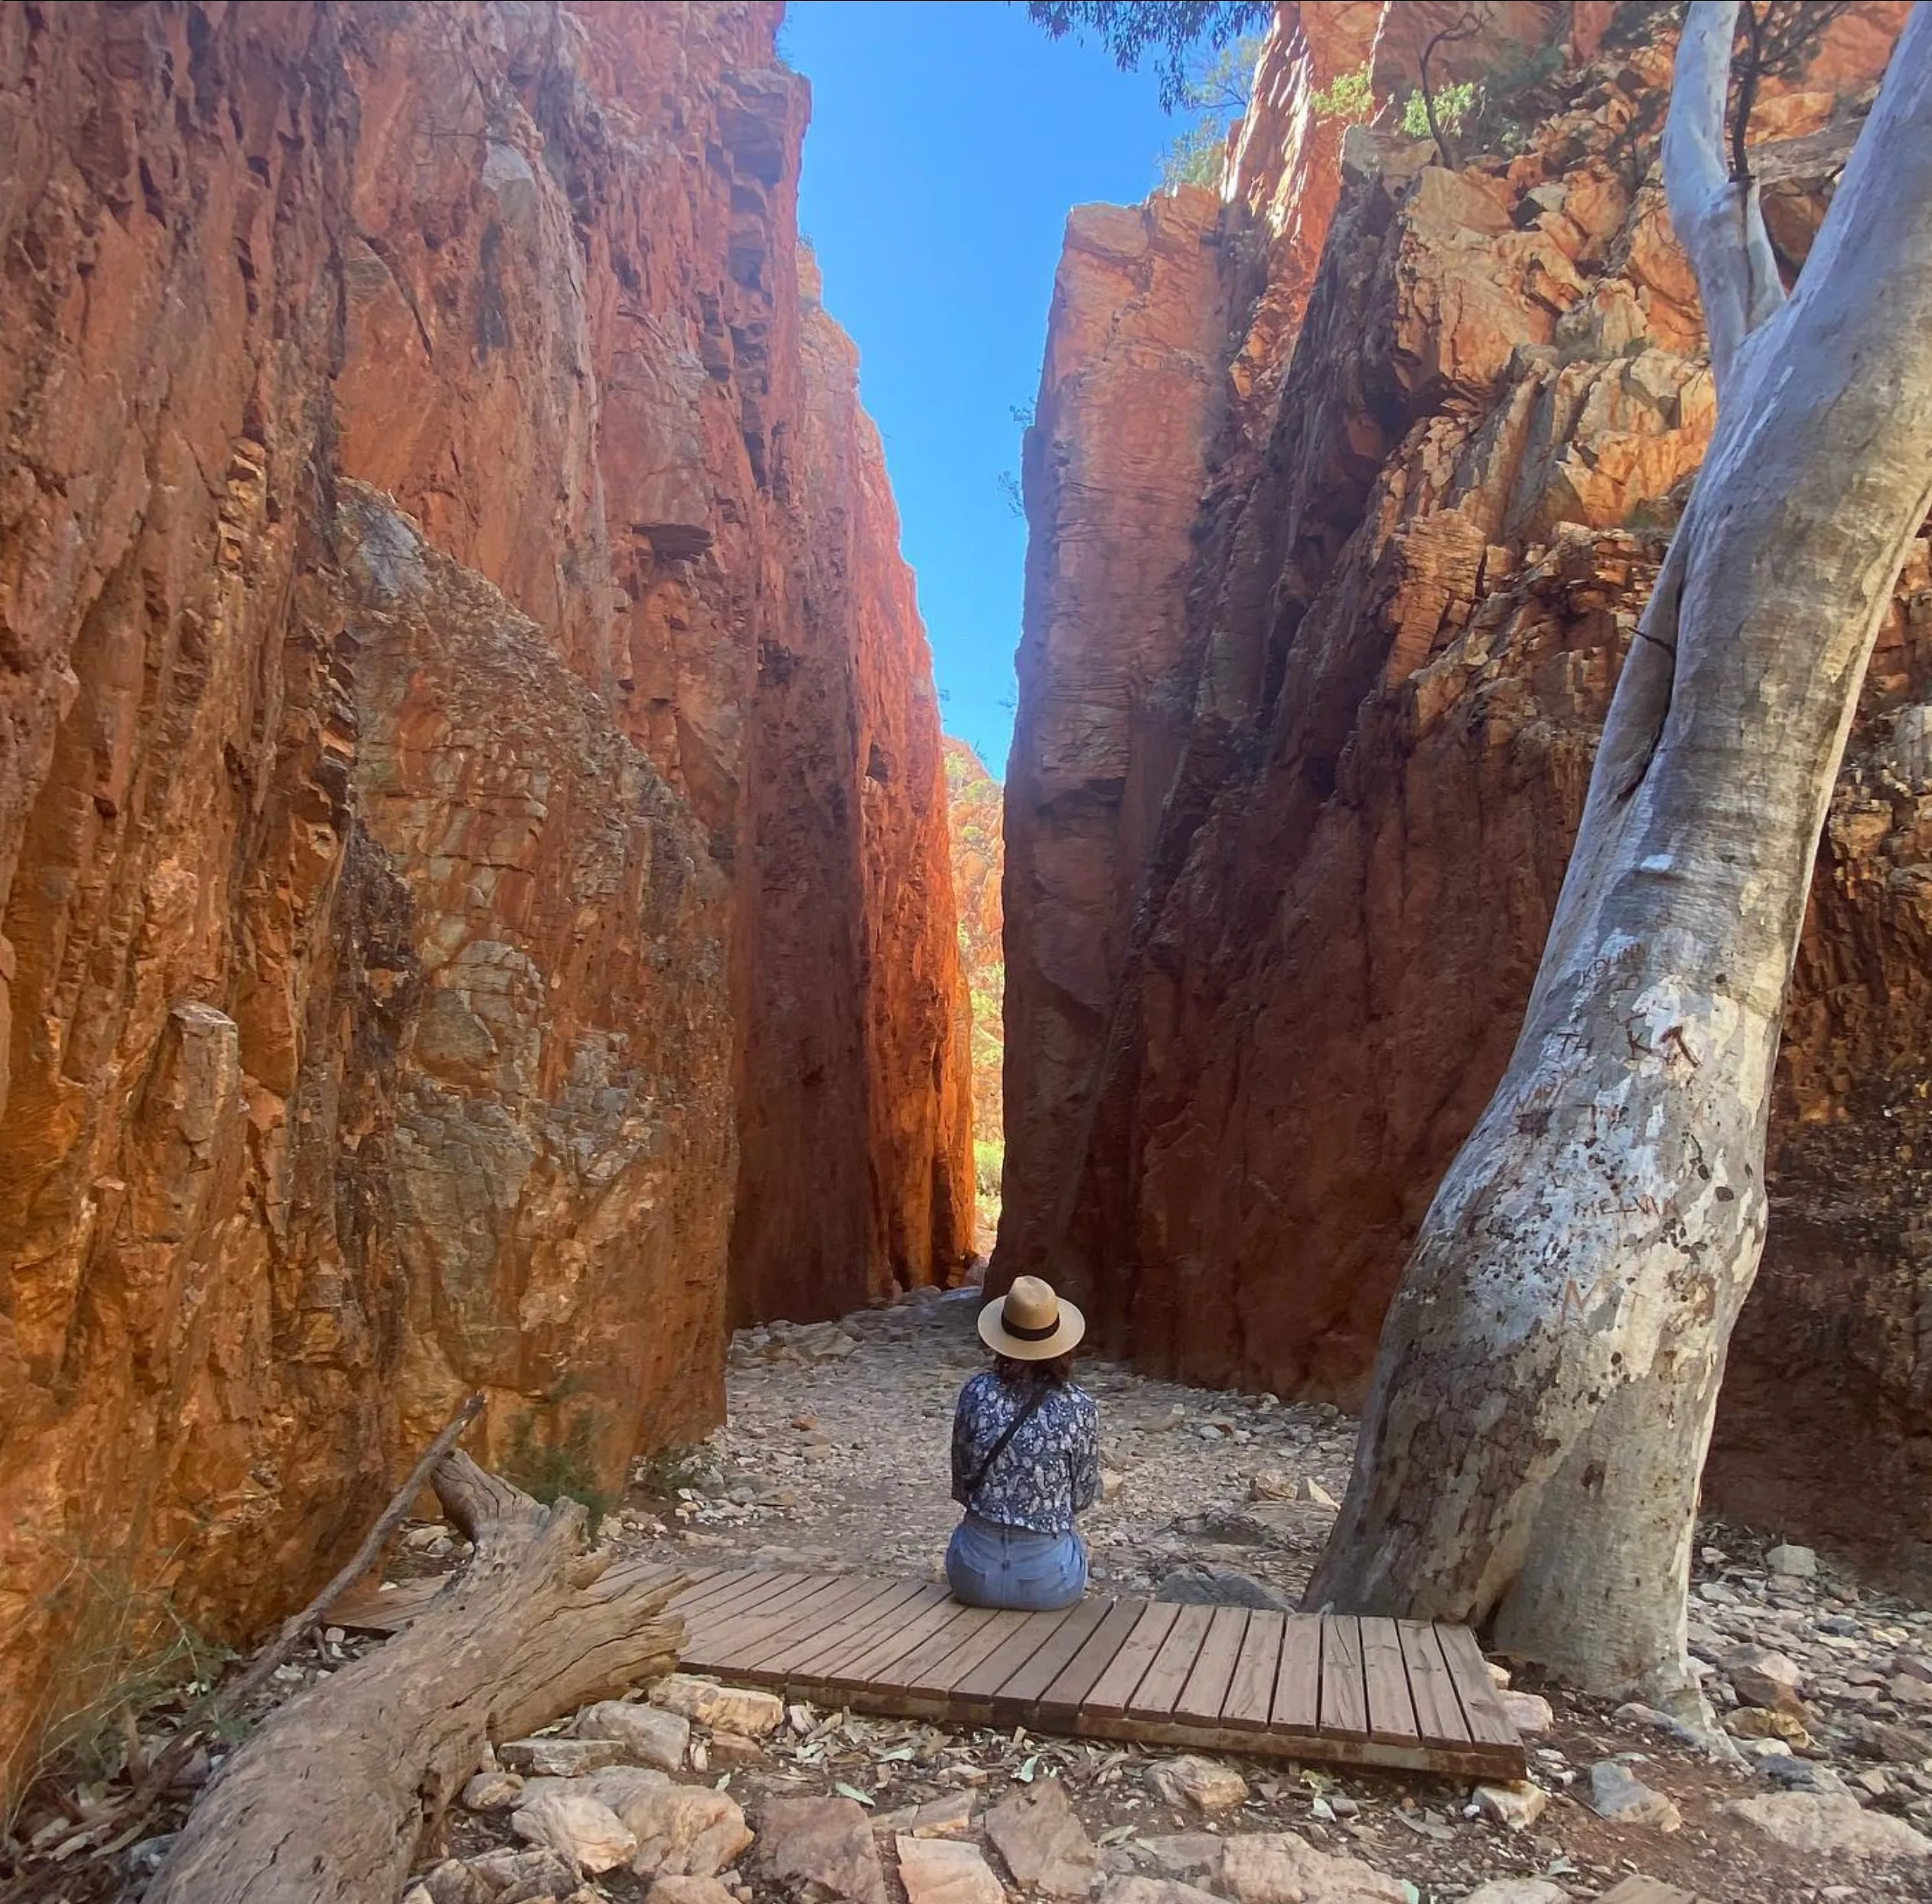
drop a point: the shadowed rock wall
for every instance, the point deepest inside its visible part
(420, 449)
(1298, 762)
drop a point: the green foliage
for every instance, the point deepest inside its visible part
(1169, 32)
(556, 1471)
(1220, 89)
(1351, 98)
(1453, 105)
(127, 1652)
(988, 1160)
(1195, 157)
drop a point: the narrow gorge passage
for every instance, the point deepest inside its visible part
(511, 886)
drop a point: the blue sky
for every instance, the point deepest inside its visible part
(948, 139)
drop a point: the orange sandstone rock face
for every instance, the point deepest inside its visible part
(423, 460)
(1283, 854)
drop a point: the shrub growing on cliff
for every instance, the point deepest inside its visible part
(1351, 97)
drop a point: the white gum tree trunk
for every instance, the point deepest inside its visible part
(1542, 1398)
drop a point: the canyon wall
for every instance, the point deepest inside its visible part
(471, 797)
(1319, 634)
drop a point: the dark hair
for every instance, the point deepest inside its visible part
(1056, 1371)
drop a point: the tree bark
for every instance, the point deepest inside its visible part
(1544, 1393)
(328, 1802)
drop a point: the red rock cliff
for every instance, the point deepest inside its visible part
(1300, 752)
(425, 471)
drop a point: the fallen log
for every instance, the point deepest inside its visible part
(327, 1803)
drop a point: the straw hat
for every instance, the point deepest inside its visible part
(1032, 1324)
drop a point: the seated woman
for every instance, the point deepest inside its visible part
(1025, 1458)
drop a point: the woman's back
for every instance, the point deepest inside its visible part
(1047, 1471)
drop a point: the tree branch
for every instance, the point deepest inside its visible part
(1717, 219)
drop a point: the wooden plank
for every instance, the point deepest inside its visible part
(1251, 1687)
(1488, 1723)
(1023, 1687)
(760, 1629)
(1004, 1660)
(879, 1662)
(1118, 1684)
(1206, 1685)
(1438, 1712)
(941, 1674)
(1154, 1697)
(769, 1654)
(866, 1625)
(701, 1582)
(730, 1589)
(703, 1628)
(1297, 1687)
(1061, 1699)
(1344, 1699)
(718, 1640)
(1392, 1709)
(938, 1647)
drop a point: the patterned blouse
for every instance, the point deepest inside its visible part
(1048, 1473)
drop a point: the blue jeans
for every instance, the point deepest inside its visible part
(988, 1564)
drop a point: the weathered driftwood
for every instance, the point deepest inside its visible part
(330, 1797)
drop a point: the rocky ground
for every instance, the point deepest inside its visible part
(1818, 1787)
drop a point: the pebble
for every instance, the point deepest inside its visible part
(1762, 1676)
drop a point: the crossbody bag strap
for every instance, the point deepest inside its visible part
(998, 1448)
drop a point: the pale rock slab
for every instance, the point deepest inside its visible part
(1206, 1784)
(1281, 1867)
(1529, 1712)
(682, 1830)
(689, 1890)
(1045, 1844)
(1617, 1794)
(944, 1871)
(1517, 1806)
(754, 1715)
(492, 1791)
(560, 1757)
(1762, 1676)
(1184, 1853)
(1833, 1823)
(577, 1826)
(1517, 1890)
(650, 1734)
(1793, 1562)
(539, 1872)
(826, 1843)
(1153, 1890)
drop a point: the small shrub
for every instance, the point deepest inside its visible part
(1351, 98)
(555, 1471)
(1454, 104)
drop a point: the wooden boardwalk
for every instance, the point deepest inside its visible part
(1375, 1692)
(1221, 1678)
